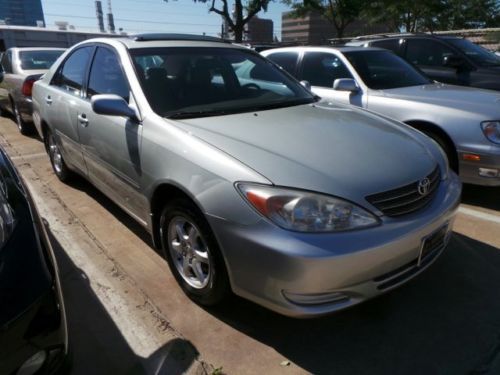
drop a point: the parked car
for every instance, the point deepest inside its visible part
(21, 67)
(247, 183)
(33, 335)
(464, 121)
(446, 59)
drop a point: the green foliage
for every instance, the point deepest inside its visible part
(429, 15)
(340, 13)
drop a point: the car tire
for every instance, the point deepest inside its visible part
(447, 149)
(193, 254)
(23, 127)
(56, 159)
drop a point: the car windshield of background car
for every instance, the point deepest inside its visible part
(383, 70)
(476, 53)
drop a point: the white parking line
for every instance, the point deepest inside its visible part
(29, 156)
(479, 214)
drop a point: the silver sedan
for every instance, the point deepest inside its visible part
(245, 181)
(464, 121)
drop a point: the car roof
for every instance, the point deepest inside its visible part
(168, 40)
(319, 48)
(376, 38)
(20, 49)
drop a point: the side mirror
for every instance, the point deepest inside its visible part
(306, 84)
(112, 105)
(453, 61)
(345, 84)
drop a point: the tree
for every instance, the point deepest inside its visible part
(340, 13)
(430, 15)
(239, 16)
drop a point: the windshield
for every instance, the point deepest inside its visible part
(382, 70)
(35, 60)
(181, 82)
(478, 54)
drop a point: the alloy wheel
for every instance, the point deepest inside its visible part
(189, 252)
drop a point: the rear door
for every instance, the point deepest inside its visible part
(61, 100)
(428, 55)
(111, 144)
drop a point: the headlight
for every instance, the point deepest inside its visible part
(304, 211)
(491, 130)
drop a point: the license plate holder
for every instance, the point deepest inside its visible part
(432, 242)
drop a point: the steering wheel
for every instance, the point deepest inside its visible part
(252, 86)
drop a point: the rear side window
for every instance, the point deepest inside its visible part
(391, 44)
(106, 75)
(71, 76)
(426, 52)
(322, 69)
(287, 60)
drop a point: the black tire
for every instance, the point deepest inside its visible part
(448, 150)
(24, 128)
(59, 166)
(217, 287)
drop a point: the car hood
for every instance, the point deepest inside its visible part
(457, 97)
(322, 147)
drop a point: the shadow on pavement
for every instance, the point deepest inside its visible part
(482, 196)
(95, 342)
(446, 321)
(83, 185)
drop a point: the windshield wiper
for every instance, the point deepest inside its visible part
(194, 114)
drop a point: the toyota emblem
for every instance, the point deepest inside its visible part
(424, 186)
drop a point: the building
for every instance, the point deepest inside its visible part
(259, 30)
(17, 36)
(315, 29)
(22, 13)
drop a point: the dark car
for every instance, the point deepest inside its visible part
(33, 334)
(446, 59)
(20, 68)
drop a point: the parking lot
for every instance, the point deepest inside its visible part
(127, 314)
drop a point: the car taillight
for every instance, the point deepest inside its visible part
(28, 86)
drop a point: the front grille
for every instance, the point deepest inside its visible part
(406, 199)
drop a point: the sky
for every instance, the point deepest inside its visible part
(134, 16)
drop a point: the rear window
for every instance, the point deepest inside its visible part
(35, 60)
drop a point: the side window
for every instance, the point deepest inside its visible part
(71, 76)
(391, 44)
(106, 75)
(7, 62)
(322, 69)
(426, 52)
(287, 60)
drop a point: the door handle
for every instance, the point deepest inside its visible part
(83, 120)
(48, 100)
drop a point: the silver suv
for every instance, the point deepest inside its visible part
(244, 180)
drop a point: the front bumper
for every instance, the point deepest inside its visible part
(476, 172)
(265, 263)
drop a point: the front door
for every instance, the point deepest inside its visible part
(321, 69)
(112, 144)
